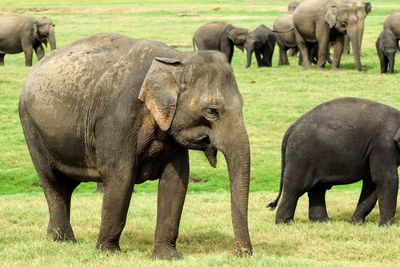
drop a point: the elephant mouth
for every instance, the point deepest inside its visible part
(201, 143)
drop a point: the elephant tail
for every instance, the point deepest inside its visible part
(194, 46)
(273, 204)
(284, 31)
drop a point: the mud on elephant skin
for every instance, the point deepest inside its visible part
(220, 36)
(25, 34)
(341, 142)
(261, 41)
(124, 111)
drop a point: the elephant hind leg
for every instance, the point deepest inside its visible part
(58, 192)
(366, 203)
(287, 207)
(2, 59)
(57, 188)
(317, 207)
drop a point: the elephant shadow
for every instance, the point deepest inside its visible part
(189, 242)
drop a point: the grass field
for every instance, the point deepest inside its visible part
(273, 99)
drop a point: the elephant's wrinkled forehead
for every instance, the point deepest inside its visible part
(210, 77)
(204, 63)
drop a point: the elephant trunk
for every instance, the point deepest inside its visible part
(236, 149)
(360, 34)
(52, 39)
(353, 35)
(249, 51)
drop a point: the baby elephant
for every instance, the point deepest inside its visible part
(261, 41)
(386, 46)
(341, 142)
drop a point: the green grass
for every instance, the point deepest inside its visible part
(273, 99)
(205, 240)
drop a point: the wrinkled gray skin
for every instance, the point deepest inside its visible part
(25, 34)
(261, 41)
(341, 142)
(322, 21)
(393, 23)
(386, 48)
(221, 37)
(122, 111)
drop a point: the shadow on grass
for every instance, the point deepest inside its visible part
(187, 243)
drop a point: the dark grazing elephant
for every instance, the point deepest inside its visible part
(386, 48)
(322, 21)
(341, 142)
(392, 23)
(25, 34)
(220, 36)
(122, 111)
(261, 41)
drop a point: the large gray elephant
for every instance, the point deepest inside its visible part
(341, 142)
(261, 41)
(25, 34)
(392, 23)
(122, 111)
(220, 36)
(284, 30)
(322, 21)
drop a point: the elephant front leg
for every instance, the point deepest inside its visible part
(2, 59)
(171, 196)
(118, 187)
(28, 56)
(337, 52)
(260, 61)
(366, 203)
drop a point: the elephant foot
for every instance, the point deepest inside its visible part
(165, 253)
(62, 236)
(284, 221)
(109, 248)
(245, 252)
(357, 220)
(387, 221)
(319, 219)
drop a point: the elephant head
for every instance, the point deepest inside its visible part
(197, 102)
(250, 45)
(348, 17)
(292, 6)
(44, 32)
(238, 36)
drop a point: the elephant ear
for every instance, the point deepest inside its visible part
(238, 35)
(330, 16)
(368, 7)
(160, 91)
(35, 32)
(397, 138)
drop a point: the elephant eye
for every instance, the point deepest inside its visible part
(211, 113)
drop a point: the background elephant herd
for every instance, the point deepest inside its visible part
(120, 111)
(311, 27)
